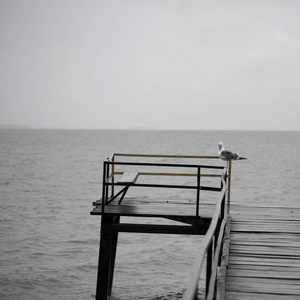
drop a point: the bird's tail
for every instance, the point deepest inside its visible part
(240, 158)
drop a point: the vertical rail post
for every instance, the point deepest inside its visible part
(198, 191)
(223, 206)
(229, 184)
(196, 295)
(106, 182)
(208, 266)
(113, 176)
(103, 187)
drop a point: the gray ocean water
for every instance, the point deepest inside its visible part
(49, 178)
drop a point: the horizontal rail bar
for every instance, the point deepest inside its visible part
(190, 187)
(112, 158)
(163, 165)
(171, 174)
(166, 155)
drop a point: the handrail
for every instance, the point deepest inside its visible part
(171, 174)
(107, 177)
(163, 165)
(109, 180)
(229, 165)
(165, 155)
(211, 245)
(214, 235)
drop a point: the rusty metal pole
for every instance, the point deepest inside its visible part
(229, 184)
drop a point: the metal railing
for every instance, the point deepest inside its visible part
(210, 248)
(109, 174)
(114, 156)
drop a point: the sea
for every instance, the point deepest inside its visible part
(49, 242)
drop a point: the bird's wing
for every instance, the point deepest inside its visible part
(229, 154)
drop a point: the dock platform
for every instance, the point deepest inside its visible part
(264, 253)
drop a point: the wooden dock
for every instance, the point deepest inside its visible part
(195, 214)
(259, 242)
(264, 253)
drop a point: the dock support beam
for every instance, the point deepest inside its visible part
(107, 256)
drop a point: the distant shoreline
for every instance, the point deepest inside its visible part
(27, 127)
(9, 126)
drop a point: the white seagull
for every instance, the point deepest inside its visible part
(227, 155)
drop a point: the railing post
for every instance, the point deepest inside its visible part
(229, 184)
(198, 191)
(196, 295)
(104, 187)
(208, 266)
(223, 207)
(113, 176)
(106, 181)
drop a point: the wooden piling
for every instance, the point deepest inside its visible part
(107, 255)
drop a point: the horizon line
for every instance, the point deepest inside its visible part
(28, 127)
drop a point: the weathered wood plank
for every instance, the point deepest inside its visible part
(155, 209)
(256, 296)
(250, 227)
(129, 178)
(248, 267)
(263, 285)
(279, 273)
(264, 261)
(245, 261)
(266, 250)
(263, 237)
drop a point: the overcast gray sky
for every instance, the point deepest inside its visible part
(150, 64)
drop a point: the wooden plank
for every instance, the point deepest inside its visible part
(266, 250)
(263, 285)
(155, 209)
(129, 178)
(256, 296)
(270, 243)
(263, 237)
(263, 261)
(279, 273)
(268, 227)
(266, 268)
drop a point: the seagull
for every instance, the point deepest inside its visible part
(227, 155)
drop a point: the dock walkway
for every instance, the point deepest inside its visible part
(264, 255)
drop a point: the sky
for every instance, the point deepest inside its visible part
(150, 64)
